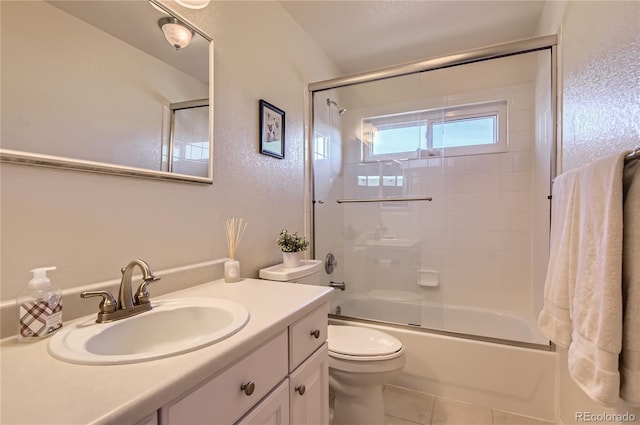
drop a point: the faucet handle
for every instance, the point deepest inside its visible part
(142, 295)
(108, 303)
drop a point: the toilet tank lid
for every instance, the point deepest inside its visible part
(283, 274)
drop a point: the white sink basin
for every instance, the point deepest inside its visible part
(172, 327)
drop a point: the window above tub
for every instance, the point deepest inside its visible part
(468, 129)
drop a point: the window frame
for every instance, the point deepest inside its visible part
(493, 108)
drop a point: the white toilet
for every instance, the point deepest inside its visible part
(361, 359)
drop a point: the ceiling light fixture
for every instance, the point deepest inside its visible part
(194, 4)
(176, 33)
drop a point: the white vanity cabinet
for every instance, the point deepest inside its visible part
(309, 370)
(285, 381)
(309, 390)
(249, 378)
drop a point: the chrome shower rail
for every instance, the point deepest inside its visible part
(489, 52)
(349, 201)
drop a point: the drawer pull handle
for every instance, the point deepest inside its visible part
(316, 333)
(300, 389)
(248, 388)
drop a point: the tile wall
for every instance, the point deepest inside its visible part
(476, 233)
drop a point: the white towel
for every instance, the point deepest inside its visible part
(596, 309)
(630, 356)
(583, 291)
(554, 320)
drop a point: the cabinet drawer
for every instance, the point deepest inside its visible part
(306, 335)
(221, 400)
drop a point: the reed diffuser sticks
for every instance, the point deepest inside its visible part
(234, 230)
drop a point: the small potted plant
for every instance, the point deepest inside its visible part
(291, 245)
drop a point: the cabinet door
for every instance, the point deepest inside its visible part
(273, 410)
(309, 390)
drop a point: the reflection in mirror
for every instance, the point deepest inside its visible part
(188, 138)
(95, 85)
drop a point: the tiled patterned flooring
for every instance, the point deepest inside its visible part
(408, 407)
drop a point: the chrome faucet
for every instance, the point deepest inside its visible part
(128, 304)
(126, 300)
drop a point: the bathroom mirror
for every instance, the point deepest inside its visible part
(95, 86)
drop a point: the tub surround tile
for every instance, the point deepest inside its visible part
(522, 161)
(408, 405)
(491, 163)
(451, 412)
(521, 140)
(517, 182)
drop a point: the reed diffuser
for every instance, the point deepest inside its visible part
(234, 229)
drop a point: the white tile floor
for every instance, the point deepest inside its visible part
(408, 407)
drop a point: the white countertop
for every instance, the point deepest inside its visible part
(38, 389)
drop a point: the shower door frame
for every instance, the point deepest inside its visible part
(496, 51)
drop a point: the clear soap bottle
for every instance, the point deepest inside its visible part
(39, 308)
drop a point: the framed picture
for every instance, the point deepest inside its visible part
(271, 130)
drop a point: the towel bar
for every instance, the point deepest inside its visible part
(633, 155)
(345, 201)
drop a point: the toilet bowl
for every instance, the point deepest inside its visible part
(361, 359)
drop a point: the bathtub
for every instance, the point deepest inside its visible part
(470, 322)
(515, 378)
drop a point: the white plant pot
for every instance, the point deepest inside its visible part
(291, 259)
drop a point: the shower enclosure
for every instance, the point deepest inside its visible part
(431, 186)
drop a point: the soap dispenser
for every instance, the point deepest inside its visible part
(40, 308)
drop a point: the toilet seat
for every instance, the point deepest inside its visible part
(362, 344)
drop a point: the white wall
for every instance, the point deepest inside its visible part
(600, 99)
(92, 225)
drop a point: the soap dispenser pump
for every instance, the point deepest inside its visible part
(40, 308)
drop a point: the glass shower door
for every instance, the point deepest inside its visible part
(431, 190)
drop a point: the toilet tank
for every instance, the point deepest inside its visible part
(309, 272)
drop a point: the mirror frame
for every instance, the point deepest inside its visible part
(60, 162)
